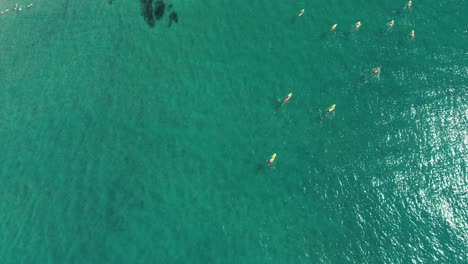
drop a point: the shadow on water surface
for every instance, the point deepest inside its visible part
(261, 167)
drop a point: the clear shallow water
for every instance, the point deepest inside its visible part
(125, 143)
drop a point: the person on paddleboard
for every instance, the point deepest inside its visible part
(357, 26)
(272, 159)
(376, 70)
(286, 99)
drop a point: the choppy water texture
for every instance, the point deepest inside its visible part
(123, 142)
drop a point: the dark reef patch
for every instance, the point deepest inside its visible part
(147, 11)
(159, 7)
(173, 17)
(151, 14)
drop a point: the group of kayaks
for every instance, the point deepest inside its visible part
(375, 71)
(358, 24)
(16, 7)
(285, 100)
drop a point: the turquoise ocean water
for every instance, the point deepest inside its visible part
(125, 142)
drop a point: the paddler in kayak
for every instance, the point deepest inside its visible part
(272, 159)
(376, 70)
(333, 27)
(412, 34)
(391, 23)
(408, 6)
(331, 109)
(357, 26)
(301, 12)
(286, 99)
